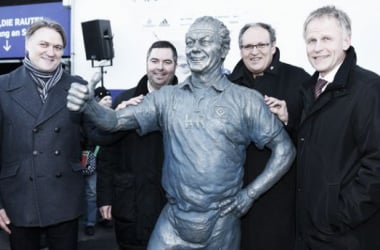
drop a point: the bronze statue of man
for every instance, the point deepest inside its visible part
(207, 123)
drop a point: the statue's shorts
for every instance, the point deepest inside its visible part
(195, 227)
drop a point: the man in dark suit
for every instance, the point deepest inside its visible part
(338, 163)
(41, 186)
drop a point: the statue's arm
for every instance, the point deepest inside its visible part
(283, 154)
(282, 157)
(108, 119)
(80, 98)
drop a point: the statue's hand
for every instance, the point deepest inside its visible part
(95, 78)
(79, 95)
(239, 205)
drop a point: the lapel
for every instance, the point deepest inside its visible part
(24, 92)
(55, 101)
(311, 106)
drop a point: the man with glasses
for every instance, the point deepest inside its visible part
(272, 216)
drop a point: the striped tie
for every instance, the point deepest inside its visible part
(318, 87)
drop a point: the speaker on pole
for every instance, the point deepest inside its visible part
(97, 36)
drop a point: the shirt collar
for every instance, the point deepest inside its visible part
(331, 75)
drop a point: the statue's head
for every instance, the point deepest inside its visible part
(207, 44)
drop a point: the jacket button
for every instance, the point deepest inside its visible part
(35, 130)
(57, 152)
(57, 130)
(302, 139)
(35, 152)
(30, 178)
(58, 174)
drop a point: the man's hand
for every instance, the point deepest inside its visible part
(79, 95)
(105, 211)
(239, 205)
(4, 221)
(277, 107)
(133, 101)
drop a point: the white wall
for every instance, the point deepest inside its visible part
(136, 24)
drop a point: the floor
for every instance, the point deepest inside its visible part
(104, 239)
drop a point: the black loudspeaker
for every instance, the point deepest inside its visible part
(97, 36)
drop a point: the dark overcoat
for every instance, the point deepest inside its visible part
(270, 223)
(40, 179)
(338, 175)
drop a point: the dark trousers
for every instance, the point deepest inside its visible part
(126, 236)
(62, 236)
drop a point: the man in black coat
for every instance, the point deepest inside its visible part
(338, 164)
(270, 223)
(41, 185)
(129, 176)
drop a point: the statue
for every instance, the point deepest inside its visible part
(207, 123)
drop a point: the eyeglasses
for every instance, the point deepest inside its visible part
(259, 46)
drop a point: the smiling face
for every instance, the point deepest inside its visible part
(160, 67)
(256, 49)
(326, 44)
(45, 49)
(203, 49)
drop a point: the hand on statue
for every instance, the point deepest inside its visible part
(134, 101)
(239, 205)
(79, 95)
(277, 107)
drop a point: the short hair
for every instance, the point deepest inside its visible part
(46, 23)
(163, 44)
(267, 27)
(221, 29)
(330, 11)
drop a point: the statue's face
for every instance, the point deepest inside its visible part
(203, 48)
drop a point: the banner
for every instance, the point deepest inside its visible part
(15, 20)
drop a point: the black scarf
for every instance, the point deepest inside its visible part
(44, 80)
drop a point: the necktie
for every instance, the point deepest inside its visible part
(318, 87)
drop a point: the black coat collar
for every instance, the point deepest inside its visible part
(142, 86)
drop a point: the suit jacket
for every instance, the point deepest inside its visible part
(272, 216)
(40, 179)
(338, 166)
